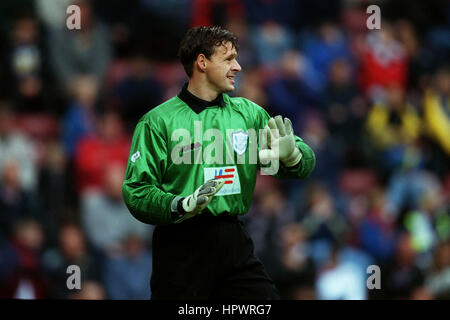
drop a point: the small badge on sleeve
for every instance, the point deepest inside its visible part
(135, 156)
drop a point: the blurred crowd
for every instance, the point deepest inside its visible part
(373, 104)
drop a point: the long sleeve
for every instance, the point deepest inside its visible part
(147, 163)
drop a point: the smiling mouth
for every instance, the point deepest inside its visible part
(231, 78)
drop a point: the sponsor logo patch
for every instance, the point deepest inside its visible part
(135, 156)
(229, 174)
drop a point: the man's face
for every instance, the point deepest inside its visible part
(222, 68)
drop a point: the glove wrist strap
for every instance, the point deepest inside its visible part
(177, 210)
(180, 207)
(293, 159)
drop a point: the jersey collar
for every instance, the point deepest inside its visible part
(197, 104)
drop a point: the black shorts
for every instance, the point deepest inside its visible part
(207, 257)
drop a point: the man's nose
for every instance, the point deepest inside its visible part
(236, 66)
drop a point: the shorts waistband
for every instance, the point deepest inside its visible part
(209, 215)
(206, 217)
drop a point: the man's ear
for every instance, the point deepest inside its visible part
(201, 62)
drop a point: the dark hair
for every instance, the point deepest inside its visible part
(203, 40)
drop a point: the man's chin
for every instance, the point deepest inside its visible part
(228, 88)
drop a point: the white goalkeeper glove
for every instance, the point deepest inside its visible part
(188, 207)
(281, 142)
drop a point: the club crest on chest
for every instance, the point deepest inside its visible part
(240, 139)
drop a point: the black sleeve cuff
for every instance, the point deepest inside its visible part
(180, 212)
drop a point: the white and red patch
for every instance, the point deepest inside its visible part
(229, 174)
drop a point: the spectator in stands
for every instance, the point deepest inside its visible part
(270, 40)
(340, 279)
(215, 12)
(393, 126)
(127, 275)
(436, 112)
(251, 87)
(323, 224)
(322, 48)
(291, 265)
(17, 148)
(15, 202)
(383, 62)
(411, 190)
(401, 278)
(53, 13)
(425, 199)
(376, 231)
(80, 118)
(442, 214)
(109, 146)
(329, 155)
(105, 218)
(345, 109)
(421, 60)
(438, 279)
(72, 250)
(285, 12)
(26, 67)
(85, 51)
(288, 93)
(22, 276)
(53, 194)
(138, 90)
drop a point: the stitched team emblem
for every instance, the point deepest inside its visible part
(240, 139)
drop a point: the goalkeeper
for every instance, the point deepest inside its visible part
(200, 247)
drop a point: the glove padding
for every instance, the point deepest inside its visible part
(281, 142)
(199, 200)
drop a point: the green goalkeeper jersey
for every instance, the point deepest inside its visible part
(185, 141)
